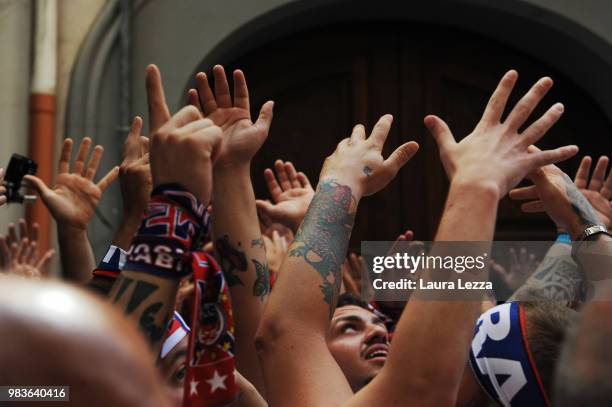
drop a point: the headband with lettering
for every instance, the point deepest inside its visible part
(501, 358)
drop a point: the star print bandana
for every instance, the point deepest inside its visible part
(210, 377)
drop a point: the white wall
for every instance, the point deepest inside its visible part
(14, 89)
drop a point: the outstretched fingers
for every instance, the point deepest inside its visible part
(304, 181)
(156, 99)
(39, 186)
(380, 131)
(283, 176)
(582, 175)
(94, 162)
(79, 162)
(64, 161)
(599, 174)
(524, 193)
(108, 178)
(292, 175)
(205, 95)
(272, 183)
(222, 92)
(358, 133)
(539, 128)
(528, 102)
(264, 120)
(542, 158)
(132, 147)
(241, 91)
(401, 156)
(193, 99)
(497, 103)
(440, 132)
(43, 263)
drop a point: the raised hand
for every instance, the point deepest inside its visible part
(19, 255)
(358, 162)
(276, 249)
(136, 183)
(291, 195)
(236, 232)
(554, 192)
(522, 265)
(156, 99)
(183, 150)
(241, 137)
(75, 195)
(495, 153)
(135, 173)
(599, 189)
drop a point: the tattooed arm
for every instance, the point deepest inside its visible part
(236, 233)
(430, 346)
(181, 160)
(558, 277)
(297, 365)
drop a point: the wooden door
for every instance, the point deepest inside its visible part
(326, 80)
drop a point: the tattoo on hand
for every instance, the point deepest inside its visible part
(257, 242)
(367, 171)
(261, 286)
(322, 240)
(580, 204)
(232, 260)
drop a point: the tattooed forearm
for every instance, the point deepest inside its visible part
(257, 242)
(261, 286)
(580, 204)
(322, 240)
(557, 278)
(232, 260)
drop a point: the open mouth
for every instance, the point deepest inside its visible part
(376, 351)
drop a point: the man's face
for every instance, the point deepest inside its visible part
(174, 368)
(358, 340)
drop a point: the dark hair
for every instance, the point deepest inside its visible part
(352, 299)
(546, 325)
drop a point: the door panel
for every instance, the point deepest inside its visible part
(326, 80)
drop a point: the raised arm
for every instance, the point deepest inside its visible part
(136, 184)
(298, 367)
(291, 195)
(19, 255)
(236, 233)
(181, 154)
(572, 206)
(72, 202)
(429, 352)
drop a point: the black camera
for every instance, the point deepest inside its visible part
(17, 168)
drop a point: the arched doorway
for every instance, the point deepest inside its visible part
(325, 80)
